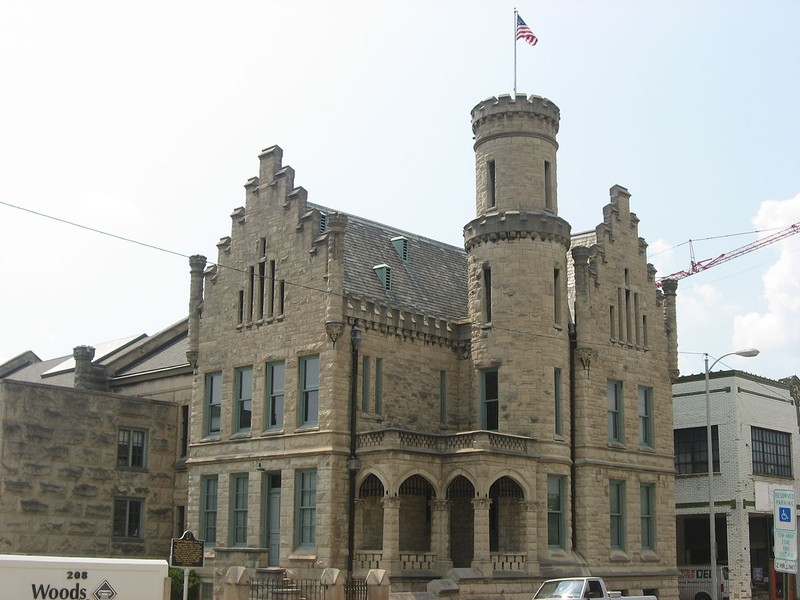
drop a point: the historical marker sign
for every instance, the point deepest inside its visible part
(187, 552)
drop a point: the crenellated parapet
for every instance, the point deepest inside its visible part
(497, 114)
(370, 314)
(516, 225)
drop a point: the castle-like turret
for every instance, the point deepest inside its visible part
(517, 259)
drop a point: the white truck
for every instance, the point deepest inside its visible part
(580, 587)
(694, 582)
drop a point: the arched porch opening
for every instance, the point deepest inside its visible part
(416, 493)
(370, 494)
(506, 525)
(460, 494)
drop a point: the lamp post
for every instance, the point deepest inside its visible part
(748, 353)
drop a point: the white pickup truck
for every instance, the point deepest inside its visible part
(580, 587)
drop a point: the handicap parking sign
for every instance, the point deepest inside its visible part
(784, 514)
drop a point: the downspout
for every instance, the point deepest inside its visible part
(573, 348)
(353, 464)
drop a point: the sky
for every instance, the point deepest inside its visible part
(144, 120)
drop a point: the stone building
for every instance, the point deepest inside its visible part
(368, 398)
(92, 448)
(755, 449)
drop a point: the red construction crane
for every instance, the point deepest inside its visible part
(702, 265)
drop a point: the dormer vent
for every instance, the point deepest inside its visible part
(401, 246)
(323, 222)
(384, 273)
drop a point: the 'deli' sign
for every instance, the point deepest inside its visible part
(186, 552)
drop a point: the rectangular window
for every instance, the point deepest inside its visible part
(238, 534)
(271, 300)
(691, 450)
(244, 398)
(616, 509)
(128, 518)
(557, 401)
(555, 511)
(378, 386)
(184, 449)
(614, 396)
(275, 385)
(131, 444)
(647, 493)
(213, 403)
(548, 186)
(208, 508)
(306, 500)
(646, 416)
(772, 452)
(240, 312)
(251, 278)
(309, 391)
(612, 323)
(365, 376)
(442, 397)
(281, 296)
(491, 184)
(557, 296)
(489, 400)
(487, 294)
(262, 276)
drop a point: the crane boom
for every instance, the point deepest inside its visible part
(702, 265)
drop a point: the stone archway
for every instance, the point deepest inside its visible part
(370, 495)
(506, 519)
(415, 494)
(460, 494)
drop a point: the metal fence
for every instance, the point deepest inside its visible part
(355, 589)
(286, 589)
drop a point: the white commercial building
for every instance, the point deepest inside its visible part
(755, 426)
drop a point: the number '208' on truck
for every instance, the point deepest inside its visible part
(580, 587)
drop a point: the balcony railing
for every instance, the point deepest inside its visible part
(443, 443)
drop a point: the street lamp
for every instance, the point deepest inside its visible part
(748, 353)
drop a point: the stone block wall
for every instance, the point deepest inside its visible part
(59, 474)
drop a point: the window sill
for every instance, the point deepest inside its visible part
(617, 445)
(272, 432)
(646, 448)
(306, 428)
(650, 556)
(619, 556)
(241, 435)
(559, 438)
(214, 437)
(132, 469)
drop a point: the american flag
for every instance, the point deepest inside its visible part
(524, 32)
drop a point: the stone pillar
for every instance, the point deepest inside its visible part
(481, 558)
(197, 264)
(529, 539)
(332, 584)
(670, 288)
(378, 587)
(390, 559)
(440, 535)
(237, 584)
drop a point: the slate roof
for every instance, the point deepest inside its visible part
(433, 281)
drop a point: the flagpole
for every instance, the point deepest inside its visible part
(515, 51)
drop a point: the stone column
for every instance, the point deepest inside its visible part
(197, 263)
(390, 559)
(529, 539)
(440, 535)
(481, 558)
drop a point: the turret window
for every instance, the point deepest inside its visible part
(489, 400)
(491, 184)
